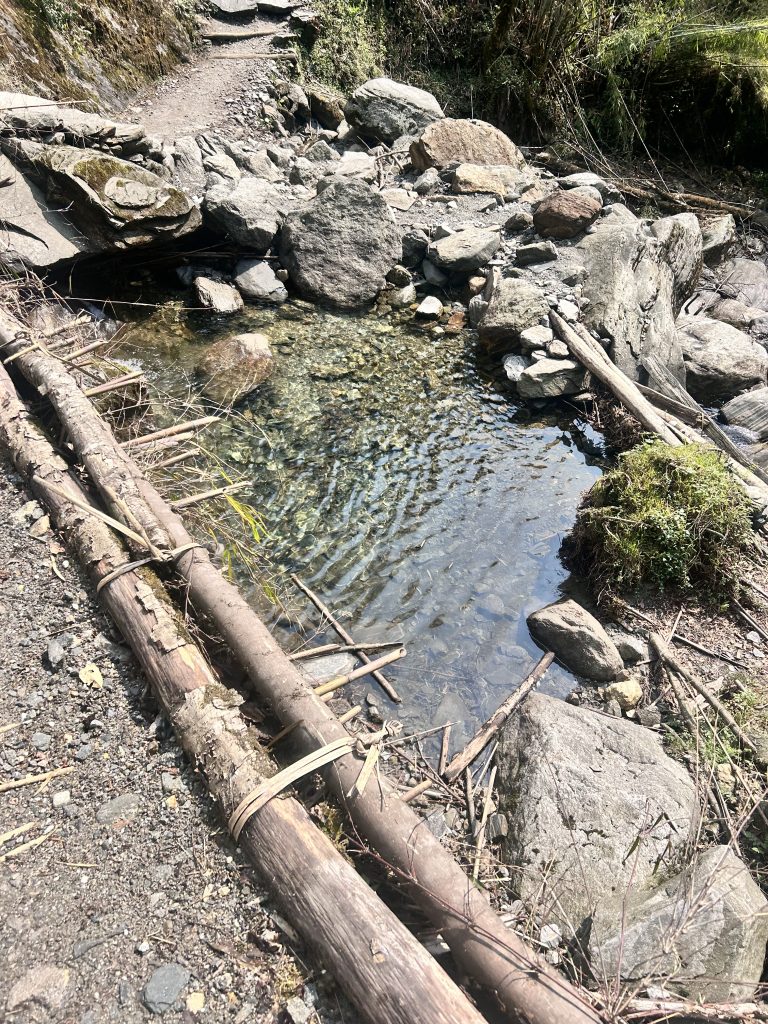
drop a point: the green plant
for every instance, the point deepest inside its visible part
(350, 46)
(669, 518)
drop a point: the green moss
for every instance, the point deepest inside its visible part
(669, 518)
(350, 46)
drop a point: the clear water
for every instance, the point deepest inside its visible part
(400, 480)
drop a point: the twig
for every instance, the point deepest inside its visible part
(112, 385)
(676, 624)
(339, 629)
(352, 713)
(7, 836)
(30, 780)
(215, 492)
(175, 459)
(484, 822)
(13, 725)
(470, 798)
(750, 621)
(444, 746)
(27, 846)
(756, 588)
(679, 639)
(178, 428)
(481, 738)
(417, 790)
(365, 670)
(316, 652)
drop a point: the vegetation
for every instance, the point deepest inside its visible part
(668, 518)
(629, 74)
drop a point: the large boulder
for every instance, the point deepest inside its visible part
(114, 203)
(551, 378)
(33, 116)
(720, 360)
(31, 233)
(701, 933)
(745, 280)
(680, 237)
(234, 366)
(339, 248)
(575, 636)
(464, 250)
(749, 411)
(463, 141)
(596, 809)
(565, 214)
(514, 306)
(386, 110)
(249, 213)
(719, 239)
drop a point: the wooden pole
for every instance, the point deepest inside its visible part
(375, 959)
(523, 983)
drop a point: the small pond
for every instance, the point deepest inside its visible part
(400, 480)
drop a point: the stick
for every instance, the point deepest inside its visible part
(479, 741)
(340, 631)
(97, 513)
(30, 780)
(484, 822)
(352, 713)
(27, 846)
(232, 34)
(470, 798)
(444, 745)
(750, 621)
(316, 652)
(254, 56)
(178, 428)
(216, 492)
(678, 639)
(13, 725)
(417, 790)
(175, 459)
(365, 670)
(82, 351)
(6, 836)
(113, 385)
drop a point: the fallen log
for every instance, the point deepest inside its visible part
(523, 983)
(382, 967)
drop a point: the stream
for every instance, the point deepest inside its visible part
(398, 477)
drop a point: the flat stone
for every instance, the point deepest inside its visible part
(576, 637)
(219, 296)
(398, 198)
(720, 361)
(500, 179)
(514, 366)
(551, 378)
(536, 252)
(120, 808)
(515, 306)
(608, 192)
(40, 740)
(464, 141)
(536, 337)
(464, 251)
(164, 988)
(565, 214)
(718, 239)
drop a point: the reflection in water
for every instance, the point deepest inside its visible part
(403, 484)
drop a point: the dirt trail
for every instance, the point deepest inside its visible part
(214, 93)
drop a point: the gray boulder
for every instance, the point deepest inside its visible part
(515, 305)
(234, 366)
(326, 105)
(465, 250)
(339, 248)
(217, 294)
(33, 116)
(596, 809)
(385, 109)
(745, 280)
(463, 141)
(680, 238)
(718, 239)
(573, 635)
(551, 378)
(255, 279)
(248, 213)
(701, 933)
(749, 411)
(114, 203)
(589, 179)
(565, 214)
(737, 314)
(720, 360)
(188, 164)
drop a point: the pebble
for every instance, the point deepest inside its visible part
(40, 740)
(298, 1010)
(119, 808)
(61, 799)
(430, 308)
(164, 987)
(84, 752)
(56, 652)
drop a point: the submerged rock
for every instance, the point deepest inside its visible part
(720, 360)
(339, 247)
(386, 109)
(235, 366)
(575, 636)
(463, 141)
(596, 809)
(702, 933)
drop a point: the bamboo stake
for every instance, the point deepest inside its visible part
(349, 715)
(175, 459)
(339, 629)
(177, 428)
(31, 780)
(365, 670)
(316, 652)
(113, 385)
(481, 738)
(83, 351)
(417, 790)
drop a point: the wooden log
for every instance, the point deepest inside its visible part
(381, 966)
(484, 735)
(592, 357)
(523, 983)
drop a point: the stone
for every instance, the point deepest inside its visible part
(218, 295)
(680, 238)
(476, 309)
(463, 141)
(514, 366)
(536, 252)
(718, 239)
(558, 350)
(40, 740)
(340, 246)
(255, 279)
(414, 247)
(536, 337)
(31, 233)
(551, 378)
(306, 173)
(608, 192)
(221, 163)
(398, 198)
(702, 932)
(357, 165)
(750, 411)
(399, 276)
(565, 214)
(466, 250)
(116, 204)
(398, 298)
(430, 308)
(385, 109)
(248, 214)
(45, 985)
(736, 313)
(321, 152)
(649, 717)
(433, 275)
(515, 306)
(576, 637)
(164, 988)
(518, 220)
(188, 164)
(120, 808)
(33, 116)
(596, 809)
(745, 280)
(720, 361)
(298, 1011)
(325, 105)
(501, 179)
(631, 648)
(234, 366)
(626, 692)
(426, 182)
(61, 798)
(55, 652)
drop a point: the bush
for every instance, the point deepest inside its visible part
(669, 518)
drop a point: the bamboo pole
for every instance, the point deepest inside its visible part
(381, 966)
(523, 983)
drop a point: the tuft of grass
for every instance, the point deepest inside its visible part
(668, 518)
